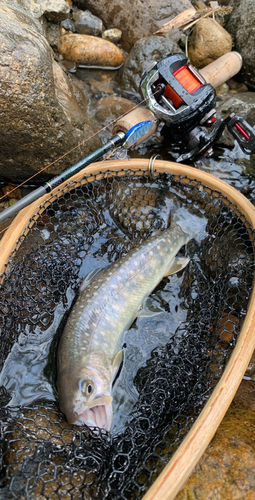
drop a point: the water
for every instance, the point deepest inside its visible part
(29, 372)
(232, 166)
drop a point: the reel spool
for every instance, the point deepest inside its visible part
(177, 94)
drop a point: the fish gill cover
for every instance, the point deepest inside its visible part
(172, 361)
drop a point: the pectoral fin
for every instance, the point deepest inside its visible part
(149, 309)
(117, 360)
(177, 265)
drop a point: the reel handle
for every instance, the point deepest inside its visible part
(215, 73)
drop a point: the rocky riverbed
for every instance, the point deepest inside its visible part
(69, 68)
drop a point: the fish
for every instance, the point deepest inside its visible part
(90, 348)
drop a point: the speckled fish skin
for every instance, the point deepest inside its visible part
(88, 358)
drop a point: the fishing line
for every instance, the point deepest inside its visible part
(2, 230)
(75, 147)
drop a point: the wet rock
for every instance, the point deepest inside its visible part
(80, 90)
(40, 118)
(54, 10)
(200, 5)
(29, 6)
(112, 107)
(113, 35)
(90, 51)
(99, 87)
(88, 24)
(222, 89)
(237, 86)
(144, 53)
(137, 19)
(250, 371)
(208, 42)
(11, 191)
(242, 104)
(68, 25)
(226, 469)
(66, 98)
(76, 13)
(68, 66)
(53, 34)
(241, 26)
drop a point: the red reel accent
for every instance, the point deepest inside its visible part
(187, 80)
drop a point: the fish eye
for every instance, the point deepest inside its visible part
(89, 389)
(86, 387)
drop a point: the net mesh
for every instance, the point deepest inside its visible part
(98, 219)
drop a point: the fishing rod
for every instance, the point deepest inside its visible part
(181, 97)
(121, 140)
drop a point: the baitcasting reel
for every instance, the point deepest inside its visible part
(178, 95)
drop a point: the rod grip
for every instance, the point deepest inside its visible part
(222, 69)
(135, 116)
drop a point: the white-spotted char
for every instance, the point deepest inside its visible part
(89, 353)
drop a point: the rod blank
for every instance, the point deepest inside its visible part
(66, 174)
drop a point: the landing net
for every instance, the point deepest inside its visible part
(171, 366)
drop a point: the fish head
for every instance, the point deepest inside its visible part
(85, 394)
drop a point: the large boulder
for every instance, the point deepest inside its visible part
(90, 50)
(241, 26)
(208, 41)
(136, 18)
(40, 118)
(54, 10)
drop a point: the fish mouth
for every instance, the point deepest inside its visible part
(98, 414)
